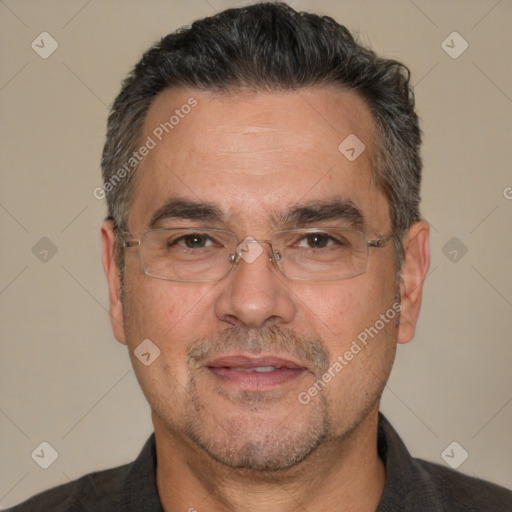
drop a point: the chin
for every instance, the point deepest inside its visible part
(259, 441)
(272, 453)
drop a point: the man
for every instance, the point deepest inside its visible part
(265, 253)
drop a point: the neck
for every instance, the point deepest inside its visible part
(343, 474)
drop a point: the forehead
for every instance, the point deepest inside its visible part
(254, 154)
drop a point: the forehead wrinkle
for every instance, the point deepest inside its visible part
(243, 129)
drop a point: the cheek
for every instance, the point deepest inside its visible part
(340, 311)
(157, 312)
(164, 311)
(361, 339)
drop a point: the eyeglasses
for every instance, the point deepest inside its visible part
(202, 255)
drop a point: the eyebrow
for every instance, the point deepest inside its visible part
(177, 208)
(297, 214)
(318, 211)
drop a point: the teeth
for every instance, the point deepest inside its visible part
(257, 369)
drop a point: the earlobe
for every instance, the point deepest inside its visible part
(111, 269)
(413, 274)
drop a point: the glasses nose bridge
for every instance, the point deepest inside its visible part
(250, 253)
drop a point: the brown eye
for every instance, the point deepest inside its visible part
(195, 241)
(190, 241)
(317, 240)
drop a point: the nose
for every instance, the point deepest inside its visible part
(254, 293)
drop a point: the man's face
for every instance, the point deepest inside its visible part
(254, 157)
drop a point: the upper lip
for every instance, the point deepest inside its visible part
(246, 361)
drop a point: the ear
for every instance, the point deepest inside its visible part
(413, 273)
(108, 240)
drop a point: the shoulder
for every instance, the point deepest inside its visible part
(101, 489)
(463, 492)
(422, 486)
(128, 488)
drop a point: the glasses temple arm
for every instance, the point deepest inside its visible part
(380, 242)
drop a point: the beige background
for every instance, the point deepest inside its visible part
(64, 379)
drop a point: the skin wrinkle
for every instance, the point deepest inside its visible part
(256, 129)
(259, 449)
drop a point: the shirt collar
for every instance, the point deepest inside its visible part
(140, 492)
(408, 485)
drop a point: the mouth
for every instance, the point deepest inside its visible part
(255, 373)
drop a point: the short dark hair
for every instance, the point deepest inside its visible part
(271, 47)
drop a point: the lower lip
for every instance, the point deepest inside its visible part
(257, 380)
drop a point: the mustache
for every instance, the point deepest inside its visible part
(272, 339)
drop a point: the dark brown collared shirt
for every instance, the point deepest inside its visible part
(412, 485)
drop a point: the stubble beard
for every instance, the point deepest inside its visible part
(262, 444)
(258, 447)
